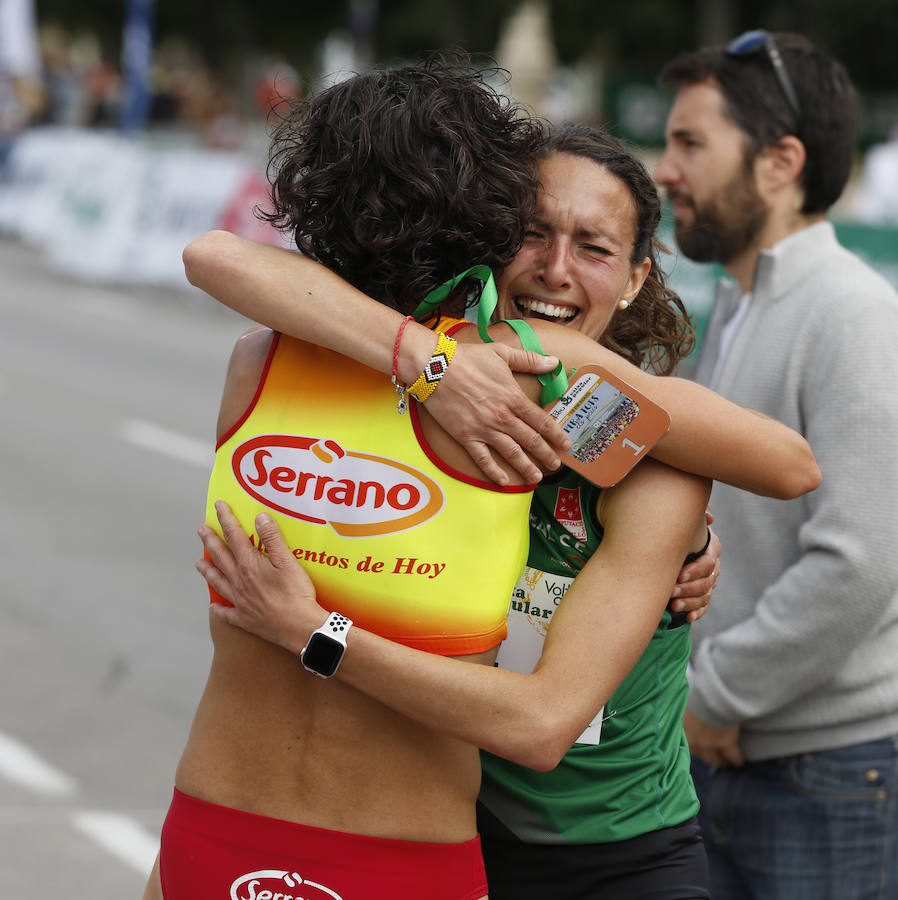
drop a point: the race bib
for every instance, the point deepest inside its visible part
(533, 603)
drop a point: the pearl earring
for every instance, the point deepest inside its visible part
(623, 304)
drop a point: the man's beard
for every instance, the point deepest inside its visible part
(726, 226)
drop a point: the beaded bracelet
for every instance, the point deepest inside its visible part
(426, 383)
(400, 387)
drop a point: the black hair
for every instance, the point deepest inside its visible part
(827, 120)
(398, 179)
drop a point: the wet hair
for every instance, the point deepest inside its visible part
(399, 178)
(827, 123)
(655, 330)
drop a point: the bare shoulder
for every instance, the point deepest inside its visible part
(251, 348)
(659, 504)
(244, 371)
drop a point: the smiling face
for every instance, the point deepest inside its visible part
(574, 267)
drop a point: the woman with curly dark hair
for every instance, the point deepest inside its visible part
(391, 183)
(290, 784)
(621, 795)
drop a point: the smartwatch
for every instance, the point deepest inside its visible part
(326, 646)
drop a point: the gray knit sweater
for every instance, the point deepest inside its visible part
(800, 644)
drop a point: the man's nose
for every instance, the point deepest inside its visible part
(665, 171)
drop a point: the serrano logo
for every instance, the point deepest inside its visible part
(317, 480)
(250, 887)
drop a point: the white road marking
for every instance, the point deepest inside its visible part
(23, 766)
(169, 443)
(121, 835)
(118, 834)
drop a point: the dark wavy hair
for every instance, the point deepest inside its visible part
(655, 331)
(397, 179)
(827, 124)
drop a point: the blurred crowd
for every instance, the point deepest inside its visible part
(68, 81)
(50, 76)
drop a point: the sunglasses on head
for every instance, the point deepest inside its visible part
(755, 41)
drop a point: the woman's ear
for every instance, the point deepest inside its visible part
(638, 274)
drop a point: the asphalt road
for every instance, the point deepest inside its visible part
(108, 400)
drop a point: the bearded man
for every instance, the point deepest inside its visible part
(793, 711)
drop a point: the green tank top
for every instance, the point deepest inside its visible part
(628, 773)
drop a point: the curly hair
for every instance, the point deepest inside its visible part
(397, 179)
(655, 331)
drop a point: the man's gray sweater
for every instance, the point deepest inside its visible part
(800, 644)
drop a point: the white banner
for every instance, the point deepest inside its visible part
(109, 208)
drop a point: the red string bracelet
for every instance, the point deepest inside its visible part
(400, 388)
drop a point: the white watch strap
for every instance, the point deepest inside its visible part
(335, 626)
(319, 655)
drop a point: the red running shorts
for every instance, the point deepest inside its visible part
(214, 852)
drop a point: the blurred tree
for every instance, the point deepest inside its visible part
(640, 37)
(408, 27)
(632, 38)
(220, 32)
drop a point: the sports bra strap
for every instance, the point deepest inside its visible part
(554, 383)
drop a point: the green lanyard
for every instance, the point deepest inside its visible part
(554, 383)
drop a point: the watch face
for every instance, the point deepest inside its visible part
(322, 654)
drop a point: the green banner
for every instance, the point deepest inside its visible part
(636, 109)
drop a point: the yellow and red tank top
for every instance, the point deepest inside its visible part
(391, 536)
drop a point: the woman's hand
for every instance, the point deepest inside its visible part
(273, 596)
(482, 406)
(478, 402)
(697, 580)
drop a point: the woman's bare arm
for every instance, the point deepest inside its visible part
(709, 435)
(479, 403)
(652, 520)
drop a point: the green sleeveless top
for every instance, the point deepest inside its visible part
(628, 773)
